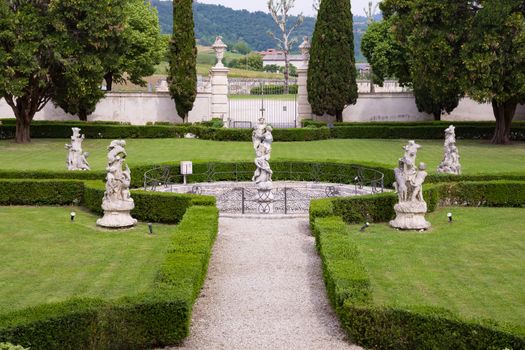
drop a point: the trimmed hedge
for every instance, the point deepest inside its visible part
(111, 131)
(149, 206)
(312, 131)
(349, 287)
(380, 327)
(380, 207)
(415, 130)
(157, 318)
(274, 90)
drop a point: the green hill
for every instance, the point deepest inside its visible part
(236, 25)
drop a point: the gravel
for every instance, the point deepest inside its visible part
(264, 290)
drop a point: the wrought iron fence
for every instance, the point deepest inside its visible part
(360, 177)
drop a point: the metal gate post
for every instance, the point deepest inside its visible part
(285, 200)
(242, 200)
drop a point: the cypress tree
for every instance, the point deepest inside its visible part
(331, 73)
(183, 58)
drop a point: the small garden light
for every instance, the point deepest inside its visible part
(365, 226)
(150, 228)
(449, 215)
(73, 214)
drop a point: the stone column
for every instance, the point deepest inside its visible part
(304, 109)
(219, 84)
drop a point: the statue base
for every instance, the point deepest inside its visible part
(265, 199)
(410, 216)
(117, 215)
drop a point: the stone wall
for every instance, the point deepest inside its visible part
(134, 108)
(141, 108)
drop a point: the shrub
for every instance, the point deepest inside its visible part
(40, 192)
(380, 207)
(380, 327)
(156, 318)
(273, 90)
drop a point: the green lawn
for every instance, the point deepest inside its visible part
(46, 258)
(477, 157)
(474, 266)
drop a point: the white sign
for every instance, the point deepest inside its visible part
(186, 168)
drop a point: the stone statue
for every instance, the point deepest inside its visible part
(450, 163)
(411, 209)
(262, 143)
(117, 202)
(76, 159)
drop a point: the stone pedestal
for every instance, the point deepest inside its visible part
(117, 214)
(410, 216)
(219, 93)
(304, 110)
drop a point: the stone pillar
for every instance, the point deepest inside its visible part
(219, 84)
(304, 110)
(219, 93)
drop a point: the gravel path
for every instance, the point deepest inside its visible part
(264, 290)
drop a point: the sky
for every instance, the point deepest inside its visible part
(304, 6)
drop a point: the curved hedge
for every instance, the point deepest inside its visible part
(380, 207)
(157, 318)
(349, 286)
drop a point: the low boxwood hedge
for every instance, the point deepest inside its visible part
(380, 207)
(149, 206)
(381, 327)
(313, 131)
(156, 318)
(349, 287)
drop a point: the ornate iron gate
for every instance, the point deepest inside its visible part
(266, 100)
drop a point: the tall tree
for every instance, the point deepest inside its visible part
(370, 14)
(41, 38)
(331, 73)
(89, 45)
(494, 56)
(431, 32)
(280, 11)
(140, 47)
(129, 56)
(26, 47)
(183, 58)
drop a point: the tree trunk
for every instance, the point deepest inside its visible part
(437, 115)
(82, 115)
(372, 86)
(339, 116)
(504, 113)
(286, 73)
(109, 81)
(23, 131)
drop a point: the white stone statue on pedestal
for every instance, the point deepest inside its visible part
(76, 159)
(117, 202)
(411, 209)
(262, 143)
(450, 163)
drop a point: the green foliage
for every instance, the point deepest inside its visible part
(374, 326)
(493, 56)
(331, 73)
(273, 90)
(242, 47)
(156, 318)
(272, 68)
(380, 207)
(239, 25)
(252, 61)
(40, 192)
(9, 346)
(183, 55)
(386, 56)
